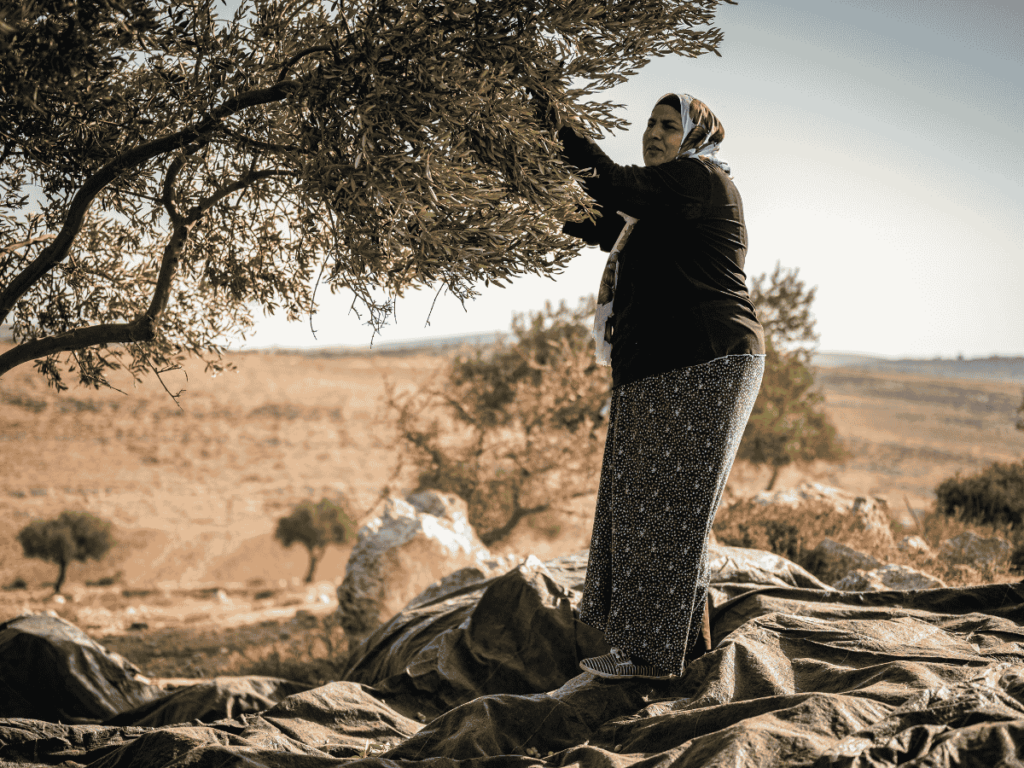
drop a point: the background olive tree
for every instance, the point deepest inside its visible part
(71, 536)
(163, 168)
(788, 424)
(315, 526)
(516, 429)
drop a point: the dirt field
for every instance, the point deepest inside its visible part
(195, 491)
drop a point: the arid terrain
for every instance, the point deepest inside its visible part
(194, 488)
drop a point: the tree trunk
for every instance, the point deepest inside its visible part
(775, 476)
(60, 576)
(314, 558)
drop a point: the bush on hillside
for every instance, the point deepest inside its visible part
(994, 495)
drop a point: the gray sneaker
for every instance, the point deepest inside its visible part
(618, 665)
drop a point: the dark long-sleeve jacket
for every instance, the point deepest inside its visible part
(681, 297)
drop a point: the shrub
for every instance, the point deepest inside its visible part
(994, 495)
(72, 536)
(790, 531)
(315, 526)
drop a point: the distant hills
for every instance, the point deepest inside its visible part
(984, 368)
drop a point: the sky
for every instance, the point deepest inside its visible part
(879, 150)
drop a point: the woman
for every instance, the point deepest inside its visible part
(687, 354)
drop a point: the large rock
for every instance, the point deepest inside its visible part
(971, 549)
(51, 670)
(871, 512)
(410, 546)
(889, 577)
(831, 560)
(739, 565)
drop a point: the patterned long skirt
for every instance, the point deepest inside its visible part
(672, 439)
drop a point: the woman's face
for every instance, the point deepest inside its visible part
(663, 136)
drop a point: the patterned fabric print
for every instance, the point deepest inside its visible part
(671, 443)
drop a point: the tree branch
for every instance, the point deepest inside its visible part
(25, 243)
(80, 338)
(143, 328)
(58, 250)
(299, 56)
(196, 212)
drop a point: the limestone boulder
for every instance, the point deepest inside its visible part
(894, 577)
(412, 544)
(871, 512)
(831, 560)
(971, 549)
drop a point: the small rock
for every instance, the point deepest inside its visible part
(914, 544)
(222, 597)
(58, 599)
(400, 553)
(971, 549)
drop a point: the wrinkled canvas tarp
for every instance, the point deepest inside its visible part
(51, 670)
(217, 699)
(485, 676)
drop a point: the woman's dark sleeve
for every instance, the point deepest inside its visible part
(603, 231)
(678, 187)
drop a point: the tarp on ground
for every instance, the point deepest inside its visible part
(52, 670)
(799, 676)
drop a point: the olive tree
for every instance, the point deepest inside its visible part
(788, 424)
(70, 536)
(516, 428)
(165, 166)
(315, 526)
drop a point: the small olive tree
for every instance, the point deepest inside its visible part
(315, 526)
(515, 429)
(788, 424)
(71, 536)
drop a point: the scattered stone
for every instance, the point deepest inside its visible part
(892, 577)
(971, 549)
(831, 560)
(412, 544)
(914, 544)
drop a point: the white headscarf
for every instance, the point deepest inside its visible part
(703, 144)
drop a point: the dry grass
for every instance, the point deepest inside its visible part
(795, 531)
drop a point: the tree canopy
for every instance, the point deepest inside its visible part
(164, 168)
